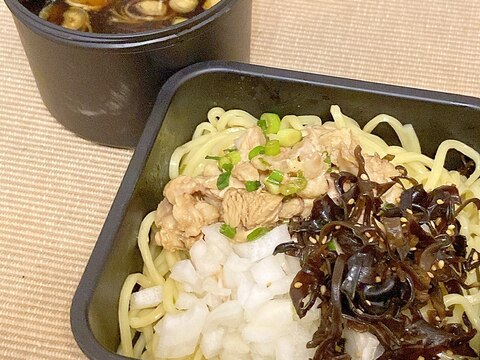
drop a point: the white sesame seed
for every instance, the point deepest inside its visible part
(369, 303)
(312, 240)
(420, 358)
(430, 275)
(437, 318)
(403, 219)
(451, 227)
(413, 248)
(434, 268)
(364, 177)
(297, 285)
(440, 202)
(323, 289)
(368, 235)
(438, 221)
(351, 202)
(441, 264)
(337, 227)
(324, 240)
(378, 279)
(409, 211)
(449, 232)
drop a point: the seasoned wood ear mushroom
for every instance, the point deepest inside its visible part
(384, 268)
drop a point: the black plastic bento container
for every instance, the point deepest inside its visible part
(103, 86)
(182, 103)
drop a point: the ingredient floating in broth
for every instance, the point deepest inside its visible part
(117, 16)
(294, 239)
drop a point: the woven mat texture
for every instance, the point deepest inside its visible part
(56, 189)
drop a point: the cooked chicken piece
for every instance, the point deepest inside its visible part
(380, 170)
(245, 171)
(251, 138)
(290, 208)
(315, 188)
(211, 170)
(338, 143)
(183, 213)
(307, 208)
(250, 209)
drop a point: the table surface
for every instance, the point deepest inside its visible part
(56, 189)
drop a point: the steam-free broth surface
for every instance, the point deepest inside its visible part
(117, 16)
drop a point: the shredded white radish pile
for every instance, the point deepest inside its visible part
(236, 304)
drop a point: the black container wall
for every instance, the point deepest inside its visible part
(103, 87)
(184, 102)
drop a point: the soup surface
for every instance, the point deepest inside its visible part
(117, 16)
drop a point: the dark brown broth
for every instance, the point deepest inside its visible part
(100, 20)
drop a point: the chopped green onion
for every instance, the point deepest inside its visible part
(258, 232)
(208, 157)
(289, 137)
(295, 185)
(275, 177)
(262, 124)
(257, 150)
(272, 123)
(328, 159)
(225, 163)
(252, 185)
(223, 180)
(228, 231)
(272, 188)
(331, 245)
(234, 157)
(272, 148)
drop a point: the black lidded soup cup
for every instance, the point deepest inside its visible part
(103, 86)
(182, 104)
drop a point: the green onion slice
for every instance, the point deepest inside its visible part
(331, 245)
(295, 185)
(252, 185)
(270, 123)
(272, 148)
(275, 177)
(228, 231)
(223, 180)
(257, 150)
(289, 137)
(234, 157)
(258, 232)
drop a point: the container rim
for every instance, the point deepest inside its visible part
(125, 40)
(81, 300)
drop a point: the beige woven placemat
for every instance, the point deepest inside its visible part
(56, 189)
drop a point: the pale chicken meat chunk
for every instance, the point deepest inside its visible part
(183, 213)
(245, 171)
(291, 207)
(253, 137)
(250, 209)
